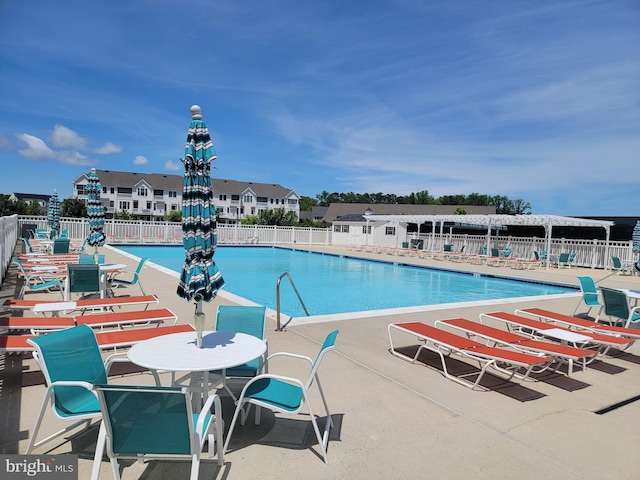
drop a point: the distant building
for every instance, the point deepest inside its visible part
(151, 196)
(316, 214)
(43, 200)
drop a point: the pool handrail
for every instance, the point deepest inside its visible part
(286, 275)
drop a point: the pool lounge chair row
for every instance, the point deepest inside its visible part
(107, 340)
(530, 341)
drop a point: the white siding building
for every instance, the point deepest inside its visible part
(151, 196)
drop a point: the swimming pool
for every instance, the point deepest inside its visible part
(331, 284)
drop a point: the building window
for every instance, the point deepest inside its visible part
(112, 190)
(366, 229)
(174, 207)
(262, 200)
(235, 198)
(222, 197)
(149, 206)
(135, 204)
(341, 228)
(125, 190)
(80, 189)
(142, 191)
(124, 205)
(111, 203)
(253, 210)
(104, 189)
(293, 201)
(390, 231)
(173, 194)
(248, 198)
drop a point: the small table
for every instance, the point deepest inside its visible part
(53, 308)
(565, 336)
(177, 352)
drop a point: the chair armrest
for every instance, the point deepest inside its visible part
(291, 355)
(122, 358)
(214, 400)
(282, 378)
(70, 383)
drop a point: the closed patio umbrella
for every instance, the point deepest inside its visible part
(200, 278)
(635, 238)
(95, 211)
(53, 214)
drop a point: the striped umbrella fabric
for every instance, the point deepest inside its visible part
(200, 278)
(53, 214)
(95, 211)
(635, 237)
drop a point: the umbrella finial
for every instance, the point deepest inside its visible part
(196, 112)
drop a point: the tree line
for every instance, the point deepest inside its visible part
(503, 204)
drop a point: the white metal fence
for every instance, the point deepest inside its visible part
(137, 231)
(8, 238)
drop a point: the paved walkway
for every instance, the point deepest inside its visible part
(393, 419)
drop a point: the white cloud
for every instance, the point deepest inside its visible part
(108, 148)
(71, 157)
(172, 166)
(63, 137)
(36, 149)
(140, 160)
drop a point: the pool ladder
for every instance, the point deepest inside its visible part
(286, 275)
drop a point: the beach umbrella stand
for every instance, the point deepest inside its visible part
(200, 278)
(95, 211)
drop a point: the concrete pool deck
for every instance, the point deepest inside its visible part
(393, 419)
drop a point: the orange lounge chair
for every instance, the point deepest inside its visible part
(570, 321)
(100, 320)
(88, 304)
(562, 353)
(445, 344)
(597, 341)
(106, 340)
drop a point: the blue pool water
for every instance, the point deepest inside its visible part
(330, 284)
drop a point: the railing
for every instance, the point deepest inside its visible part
(138, 231)
(8, 238)
(286, 275)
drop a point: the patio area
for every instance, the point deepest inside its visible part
(393, 419)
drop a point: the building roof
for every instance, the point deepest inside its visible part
(27, 197)
(337, 210)
(175, 182)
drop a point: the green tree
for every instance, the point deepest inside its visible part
(9, 207)
(123, 215)
(306, 203)
(34, 208)
(73, 207)
(174, 216)
(250, 220)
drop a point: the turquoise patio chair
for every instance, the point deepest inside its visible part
(242, 319)
(118, 278)
(589, 295)
(37, 282)
(90, 259)
(61, 245)
(286, 394)
(154, 423)
(618, 267)
(71, 363)
(83, 279)
(616, 307)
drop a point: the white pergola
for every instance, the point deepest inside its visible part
(498, 220)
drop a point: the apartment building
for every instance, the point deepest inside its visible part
(152, 196)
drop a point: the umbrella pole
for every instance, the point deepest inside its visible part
(96, 256)
(199, 319)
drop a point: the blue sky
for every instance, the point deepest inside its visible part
(535, 100)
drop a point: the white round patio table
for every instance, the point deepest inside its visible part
(177, 352)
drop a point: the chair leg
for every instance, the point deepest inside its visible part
(97, 458)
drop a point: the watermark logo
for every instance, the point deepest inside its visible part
(50, 467)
